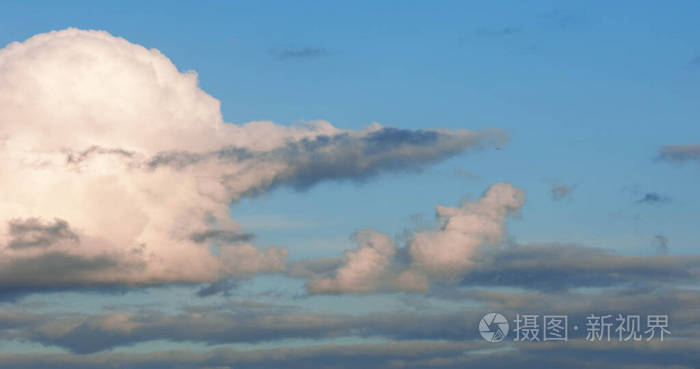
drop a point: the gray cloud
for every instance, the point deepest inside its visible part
(81, 333)
(33, 232)
(221, 235)
(653, 198)
(388, 149)
(73, 157)
(302, 53)
(223, 287)
(309, 268)
(420, 339)
(561, 191)
(345, 156)
(679, 153)
(384, 355)
(415, 354)
(57, 271)
(463, 173)
(556, 267)
(660, 243)
(255, 322)
(680, 303)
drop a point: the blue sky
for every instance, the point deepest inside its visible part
(587, 92)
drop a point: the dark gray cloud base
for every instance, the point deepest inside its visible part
(653, 198)
(345, 156)
(33, 232)
(557, 267)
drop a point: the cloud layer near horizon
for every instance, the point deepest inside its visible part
(118, 169)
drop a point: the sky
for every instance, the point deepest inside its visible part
(326, 185)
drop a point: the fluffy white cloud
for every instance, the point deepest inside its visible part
(115, 167)
(464, 228)
(365, 269)
(441, 254)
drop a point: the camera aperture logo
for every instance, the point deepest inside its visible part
(493, 327)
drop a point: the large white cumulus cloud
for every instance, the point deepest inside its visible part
(116, 168)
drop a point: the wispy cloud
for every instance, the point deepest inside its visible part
(660, 243)
(463, 173)
(680, 153)
(653, 198)
(302, 53)
(561, 191)
(222, 287)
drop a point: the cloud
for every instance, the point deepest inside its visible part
(561, 191)
(120, 165)
(33, 232)
(455, 253)
(557, 267)
(396, 355)
(309, 268)
(383, 355)
(364, 269)
(89, 333)
(439, 254)
(414, 335)
(222, 287)
(302, 53)
(679, 153)
(464, 228)
(221, 236)
(660, 243)
(251, 322)
(463, 173)
(255, 323)
(653, 198)
(679, 304)
(354, 156)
